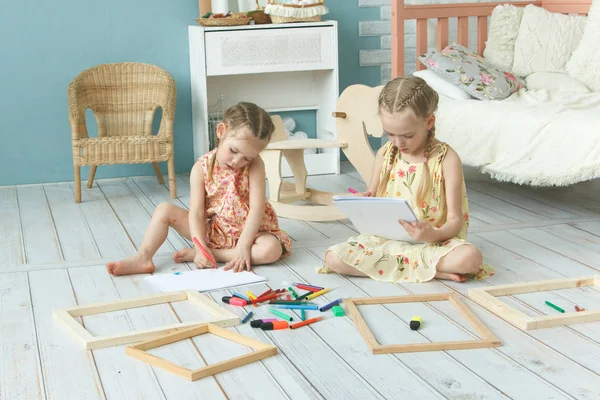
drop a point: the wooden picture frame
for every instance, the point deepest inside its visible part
(66, 317)
(486, 297)
(488, 339)
(261, 352)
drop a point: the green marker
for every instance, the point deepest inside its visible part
(555, 307)
(280, 314)
(291, 289)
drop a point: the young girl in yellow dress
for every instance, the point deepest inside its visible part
(417, 167)
(229, 213)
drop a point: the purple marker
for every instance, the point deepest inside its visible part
(328, 306)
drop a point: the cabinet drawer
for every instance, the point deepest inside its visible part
(269, 50)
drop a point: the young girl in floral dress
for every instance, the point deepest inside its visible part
(417, 167)
(229, 213)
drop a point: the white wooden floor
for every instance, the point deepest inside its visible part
(51, 256)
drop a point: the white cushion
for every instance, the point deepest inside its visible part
(546, 41)
(585, 62)
(504, 28)
(442, 86)
(555, 81)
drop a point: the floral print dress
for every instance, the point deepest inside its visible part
(227, 205)
(395, 261)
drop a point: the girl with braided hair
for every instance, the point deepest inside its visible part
(417, 167)
(229, 213)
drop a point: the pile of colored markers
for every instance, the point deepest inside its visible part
(299, 302)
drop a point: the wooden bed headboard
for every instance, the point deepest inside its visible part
(462, 11)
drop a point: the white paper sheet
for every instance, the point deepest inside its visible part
(203, 280)
(377, 215)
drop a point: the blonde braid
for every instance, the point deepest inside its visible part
(426, 181)
(416, 94)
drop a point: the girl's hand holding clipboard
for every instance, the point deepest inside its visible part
(420, 231)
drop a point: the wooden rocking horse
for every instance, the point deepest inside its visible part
(356, 117)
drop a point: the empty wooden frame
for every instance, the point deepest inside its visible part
(488, 339)
(261, 352)
(66, 317)
(486, 296)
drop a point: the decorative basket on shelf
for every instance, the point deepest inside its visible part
(229, 19)
(284, 11)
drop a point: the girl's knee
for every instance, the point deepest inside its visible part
(334, 262)
(271, 250)
(165, 211)
(471, 259)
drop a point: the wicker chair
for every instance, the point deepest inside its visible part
(123, 97)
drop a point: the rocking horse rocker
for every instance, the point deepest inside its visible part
(355, 119)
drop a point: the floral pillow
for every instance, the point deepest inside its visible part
(472, 73)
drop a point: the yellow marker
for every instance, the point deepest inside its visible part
(317, 294)
(250, 295)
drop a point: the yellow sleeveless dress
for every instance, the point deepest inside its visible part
(395, 261)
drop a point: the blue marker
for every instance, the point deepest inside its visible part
(236, 294)
(328, 306)
(247, 317)
(298, 306)
(177, 273)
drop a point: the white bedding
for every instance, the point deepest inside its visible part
(534, 137)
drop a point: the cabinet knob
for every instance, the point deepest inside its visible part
(338, 114)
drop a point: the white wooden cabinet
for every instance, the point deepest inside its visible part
(280, 67)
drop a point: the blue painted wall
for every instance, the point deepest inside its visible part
(46, 44)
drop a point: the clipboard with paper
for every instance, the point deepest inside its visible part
(377, 215)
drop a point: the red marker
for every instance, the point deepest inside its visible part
(308, 287)
(203, 250)
(306, 322)
(352, 191)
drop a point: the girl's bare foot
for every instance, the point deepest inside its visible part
(451, 277)
(136, 264)
(184, 255)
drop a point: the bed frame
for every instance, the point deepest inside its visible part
(462, 11)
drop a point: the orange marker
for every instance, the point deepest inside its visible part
(203, 250)
(307, 322)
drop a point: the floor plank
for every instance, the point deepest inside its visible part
(11, 249)
(122, 377)
(108, 232)
(76, 241)
(39, 234)
(52, 290)
(132, 214)
(20, 375)
(510, 195)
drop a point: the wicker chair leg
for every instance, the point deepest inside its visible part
(91, 177)
(171, 171)
(159, 175)
(77, 184)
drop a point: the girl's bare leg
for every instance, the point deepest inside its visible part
(459, 263)
(165, 215)
(265, 250)
(336, 264)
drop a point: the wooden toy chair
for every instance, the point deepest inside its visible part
(357, 117)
